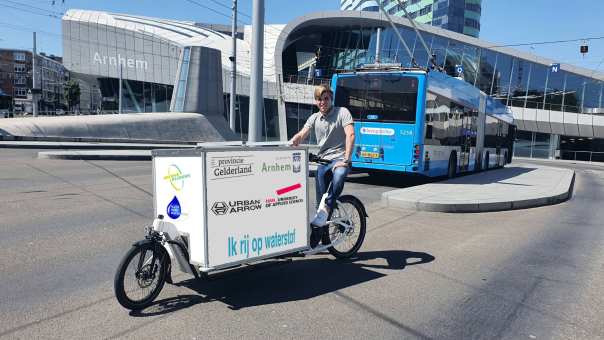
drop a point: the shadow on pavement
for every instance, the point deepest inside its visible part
(169, 305)
(286, 280)
(395, 180)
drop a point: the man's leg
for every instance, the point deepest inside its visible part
(320, 182)
(337, 185)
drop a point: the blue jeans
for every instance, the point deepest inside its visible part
(326, 174)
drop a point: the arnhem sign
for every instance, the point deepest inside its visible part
(127, 62)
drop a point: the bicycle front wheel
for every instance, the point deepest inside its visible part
(348, 212)
(141, 275)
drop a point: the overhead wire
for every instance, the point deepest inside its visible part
(53, 14)
(547, 42)
(32, 7)
(32, 12)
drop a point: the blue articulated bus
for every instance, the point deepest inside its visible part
(425, 123)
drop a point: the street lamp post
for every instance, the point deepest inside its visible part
(34, 95)
(120, 91)
(256, 95)
(232, 115)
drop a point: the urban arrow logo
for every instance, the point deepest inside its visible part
(220, 208)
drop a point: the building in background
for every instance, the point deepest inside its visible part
(151, 56)
(558, 109)
(16, 81)
(461, 16)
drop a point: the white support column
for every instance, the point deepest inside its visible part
(256, 94)
(232, 113)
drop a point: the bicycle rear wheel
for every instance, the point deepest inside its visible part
(348, 211)
(141, 275)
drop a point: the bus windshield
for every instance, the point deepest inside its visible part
(379, 98)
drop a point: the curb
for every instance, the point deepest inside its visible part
(477, 207)
(89, 146)
(138, 155)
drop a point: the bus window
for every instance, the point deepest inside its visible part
(379, 98)
(392, 99)
(351, 93)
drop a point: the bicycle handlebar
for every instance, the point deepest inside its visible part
(316, 159)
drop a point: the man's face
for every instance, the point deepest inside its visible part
(324, 103)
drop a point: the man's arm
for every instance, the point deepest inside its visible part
(349, 131)
(300, 136)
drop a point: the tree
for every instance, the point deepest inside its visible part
(72, 94)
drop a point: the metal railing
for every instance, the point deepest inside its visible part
(586, 156)
(307, 81)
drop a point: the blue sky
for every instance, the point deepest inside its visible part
(503, 21)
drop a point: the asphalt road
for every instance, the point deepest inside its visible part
(524, 274)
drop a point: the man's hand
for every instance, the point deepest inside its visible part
(300, 136)
(341, 163)
(296, 139)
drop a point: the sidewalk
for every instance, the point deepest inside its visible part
(517, 186)
(554, 161)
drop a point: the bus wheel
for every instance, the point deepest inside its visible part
(452, 169)
(478, 164)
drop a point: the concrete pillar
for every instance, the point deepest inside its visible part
(256, 94)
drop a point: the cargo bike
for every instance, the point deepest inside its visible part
(220, 207)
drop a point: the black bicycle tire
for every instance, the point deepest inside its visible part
(362, 231)
(118, 282)
(452, 166)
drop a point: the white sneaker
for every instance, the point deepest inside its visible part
(320, 219)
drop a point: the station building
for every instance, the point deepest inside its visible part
(558, 108)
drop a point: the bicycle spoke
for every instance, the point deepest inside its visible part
(345, 216)
(141, 285)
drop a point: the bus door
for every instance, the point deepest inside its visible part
(468, 138)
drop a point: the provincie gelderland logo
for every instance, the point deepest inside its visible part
(229, 167)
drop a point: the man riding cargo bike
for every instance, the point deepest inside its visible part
(219, 207)
(333, 128)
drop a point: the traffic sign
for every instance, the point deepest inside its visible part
(554, 68)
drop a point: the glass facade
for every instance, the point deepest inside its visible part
(98, 51)
(461, 16)
(535, 144)
(137, 96)
(181, 85)
(511, 80)
(270, 117)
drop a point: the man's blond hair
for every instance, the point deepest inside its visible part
(319, 90)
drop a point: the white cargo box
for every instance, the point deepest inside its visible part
(234, 204)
